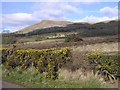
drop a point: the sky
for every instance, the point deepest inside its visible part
(18, 15)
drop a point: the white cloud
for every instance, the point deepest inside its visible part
(110, 14)
(110, 11)
(41, 11)
(13, 28)
(55, 10)
(44, 10)
(17, 19)
(95, 19)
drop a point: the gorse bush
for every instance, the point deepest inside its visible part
(46, 61)
(73, 38)
(49, 61)
(9, 39)
(106, 65)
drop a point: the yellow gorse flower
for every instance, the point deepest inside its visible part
(43, 60)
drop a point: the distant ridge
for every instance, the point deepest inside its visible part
(50, 26)
(44, 24)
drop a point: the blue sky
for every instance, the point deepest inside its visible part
(18, 15)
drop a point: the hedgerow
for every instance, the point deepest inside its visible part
(46, 61)
(107, 65)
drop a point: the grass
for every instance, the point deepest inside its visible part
(34, 79)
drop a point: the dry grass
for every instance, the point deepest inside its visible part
(80, 76)
(101, 47)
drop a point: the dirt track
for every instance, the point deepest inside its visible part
(10, 85)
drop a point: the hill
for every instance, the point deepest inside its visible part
(83, 29)
(61, 29)
(44, 24)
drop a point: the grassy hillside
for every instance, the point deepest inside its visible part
(43, 24)
(101, 29)
(98, 29)
(82, 30)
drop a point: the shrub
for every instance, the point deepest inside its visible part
(106, 65)
(9, 40)
(39, 38)
(47, 60)
(73, 38)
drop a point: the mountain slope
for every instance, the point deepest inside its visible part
(44, 24)
(81, 29)
(84, 29)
